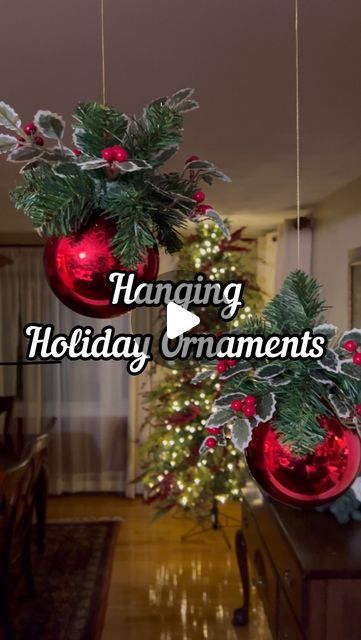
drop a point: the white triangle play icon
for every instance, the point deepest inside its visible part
(179, 320)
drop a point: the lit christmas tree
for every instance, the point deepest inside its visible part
(174, 472)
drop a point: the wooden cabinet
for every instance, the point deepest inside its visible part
(306, 567)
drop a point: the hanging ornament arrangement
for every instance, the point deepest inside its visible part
(105, 204)
(296, 419)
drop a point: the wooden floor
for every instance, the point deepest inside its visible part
(163, 588)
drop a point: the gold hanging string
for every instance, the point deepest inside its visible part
(103, 49)
(297, 137)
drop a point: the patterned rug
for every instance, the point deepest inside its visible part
(72, 580)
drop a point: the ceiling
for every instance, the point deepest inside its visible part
(238, 54)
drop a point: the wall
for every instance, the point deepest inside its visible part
(336, 230)
(266, 265)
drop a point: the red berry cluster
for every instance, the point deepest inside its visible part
(30, 130)
(353, 347)
(199, 196)
(223, 365)
(115, 154)
(247, 405)
(211, 442)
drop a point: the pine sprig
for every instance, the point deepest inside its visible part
(149, 208)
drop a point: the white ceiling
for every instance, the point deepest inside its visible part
(238, 54)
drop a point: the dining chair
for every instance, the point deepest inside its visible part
(7, 406)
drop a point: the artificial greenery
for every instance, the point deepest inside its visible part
(63, 189)
(173, 472)
(293, 394)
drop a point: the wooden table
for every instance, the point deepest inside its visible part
(306, 567)
(23, 490)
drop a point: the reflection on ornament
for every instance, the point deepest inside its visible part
(77, 269)
(309, 480)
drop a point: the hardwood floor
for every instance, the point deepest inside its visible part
(163, 588)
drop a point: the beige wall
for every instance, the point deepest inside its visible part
(337, 229)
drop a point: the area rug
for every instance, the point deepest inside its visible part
(72, 580)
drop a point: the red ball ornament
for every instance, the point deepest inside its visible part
(211, 442)
(120, 154)
(309, 480)
(30, 129)
(221, 367)
(350, 345)
(236, 404)
(199, 196)
(108, 154)
(77, 269)
(356, 358)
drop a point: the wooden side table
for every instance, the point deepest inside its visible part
(306, 567)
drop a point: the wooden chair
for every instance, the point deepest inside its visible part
(16, 500)
(7, 406)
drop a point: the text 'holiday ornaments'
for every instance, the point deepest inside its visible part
(105, 204)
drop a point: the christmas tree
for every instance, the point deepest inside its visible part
(174, 472)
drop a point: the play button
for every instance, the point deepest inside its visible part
(179, 320)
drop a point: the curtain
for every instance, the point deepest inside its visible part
(286, 260)
(90, 399)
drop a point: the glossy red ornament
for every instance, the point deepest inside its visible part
(309, 480)
(77, 269)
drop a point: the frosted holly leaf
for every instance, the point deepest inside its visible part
(225, 401)
(200, 164)
(132, 165)
(7, 143)
(279, 381)
(25, 154)
(320, 376)
(165, 154)
(348, 368)
(240, 367)
(241, 433)
(202, 375)
(353, 334)
(328, 330)
(269, 371)
(76, 137)
(179, 96)
(341, 405)
(266, 406)
(214, 215)
(187, 105)
(330, 361)
(51, 125)
(9, 118)
(219, 418)
(90, 165)
(219, 174)
(55, 154)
